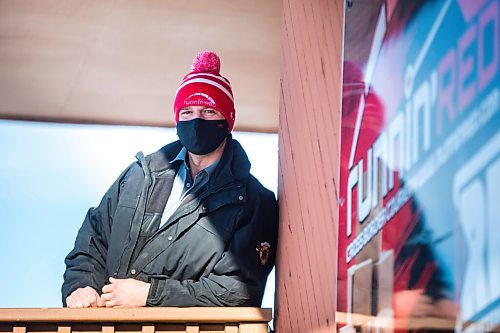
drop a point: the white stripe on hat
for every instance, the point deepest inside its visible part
(208, 74)
(212, 77)
(210, 82)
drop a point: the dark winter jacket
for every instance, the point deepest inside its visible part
(215, 250)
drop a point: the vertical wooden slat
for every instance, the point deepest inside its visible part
(192, 328)
(148, 328)
(253, 328)
(108, 328)
(63, 328)
(19, 329)
(231, 328)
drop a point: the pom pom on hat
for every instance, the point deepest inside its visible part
(206, 61)
(204, 86)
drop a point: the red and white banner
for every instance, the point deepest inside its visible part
(420, 162)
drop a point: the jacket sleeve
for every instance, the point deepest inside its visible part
(86, 263)
(239, 277)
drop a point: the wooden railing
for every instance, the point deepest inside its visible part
(135, 320)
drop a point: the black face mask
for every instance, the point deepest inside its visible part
(201, 136)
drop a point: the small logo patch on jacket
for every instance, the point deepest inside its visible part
(264, 250)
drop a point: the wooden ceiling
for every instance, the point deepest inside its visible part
(120, 62)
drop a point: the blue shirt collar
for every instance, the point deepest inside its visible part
(182, 157)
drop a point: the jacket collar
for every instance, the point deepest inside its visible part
(233, 167)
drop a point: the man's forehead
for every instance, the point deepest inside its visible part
(196, 107)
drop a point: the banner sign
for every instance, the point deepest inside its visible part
(420, 163)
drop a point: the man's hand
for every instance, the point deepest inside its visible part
(84, 298)
(125, 292)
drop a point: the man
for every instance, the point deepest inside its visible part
(185, 226)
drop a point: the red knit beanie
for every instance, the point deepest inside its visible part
(204, 86)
